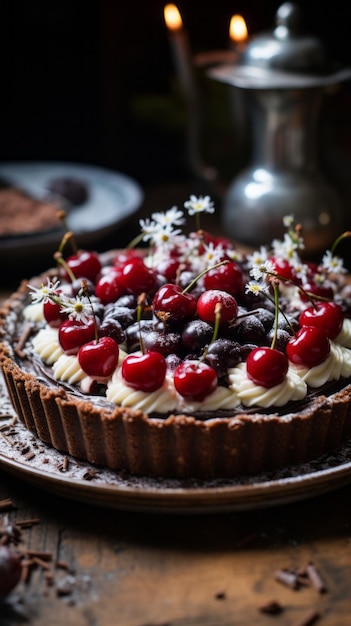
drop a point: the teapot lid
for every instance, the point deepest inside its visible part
(286, 47)
(282, 58)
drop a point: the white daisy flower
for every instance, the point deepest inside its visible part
(332, 263)
(258, 257)
(173, 216)
(288, 220)
(201, 204)
(148, 228)
(78, 309)
(255, 287)
(213, 254)
(44, 293)
(259, 272)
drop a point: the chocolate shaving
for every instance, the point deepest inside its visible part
(7, 504)
(315, 578)
(45, 556)
(28, 523)
(26, 333)
(287, 578)
(63, 467)
(30, 455)
(310, 618)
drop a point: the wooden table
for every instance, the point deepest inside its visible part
(141, 569)
(92, 566)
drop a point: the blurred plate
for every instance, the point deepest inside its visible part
(113, 197)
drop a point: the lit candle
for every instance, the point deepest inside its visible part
(184, 65)
(238, 36)
(181, 49)
(238, 32)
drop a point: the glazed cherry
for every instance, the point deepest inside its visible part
(137, 278)
(85, 264)
(195, 380)
(73, 334)
(309, 347)
(53, 314)
(207, 303)
(160, 341)
(223, 354)
(172, 300)
(145, 372)
(110, 327)
(227, 277)
(109, 287)
(99, 359)
(283, 268)
(326, 315)
(266, 366)
(10, 570)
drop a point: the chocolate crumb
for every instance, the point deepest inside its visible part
(220, 595)
(64, 588)
(309, 619)
(272, 607)
(90, 474)
(316, 578)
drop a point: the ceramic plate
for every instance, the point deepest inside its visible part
(30, 460)
(113, 197)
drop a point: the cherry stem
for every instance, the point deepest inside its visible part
(194, 281)
(85, 290)
(68, 236)
(61, 261)
(134, 242)
(276, 315)
(218, 309)
(309, 295)
(344, 235)
(139, 311)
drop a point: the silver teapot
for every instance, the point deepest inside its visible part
(283, 75)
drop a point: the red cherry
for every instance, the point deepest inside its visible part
(207, 302)
(73, 334)
(126, 255)
(171, 299)
(326, 315)
(266, 366)
(145, 372)
(283, 268)
(227, 277)
(10, 570)
(53, 314)
(168, 268)
(99, 358)
(109, 287)
(85, 264)
(309, 347)
(195, 380)
(137, 278)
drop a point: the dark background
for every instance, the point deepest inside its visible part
(94, 82)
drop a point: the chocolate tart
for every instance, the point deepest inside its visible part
(205, 445)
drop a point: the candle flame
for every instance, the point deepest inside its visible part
(237, 29)
(172, 17)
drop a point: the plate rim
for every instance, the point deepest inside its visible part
(132, 186)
